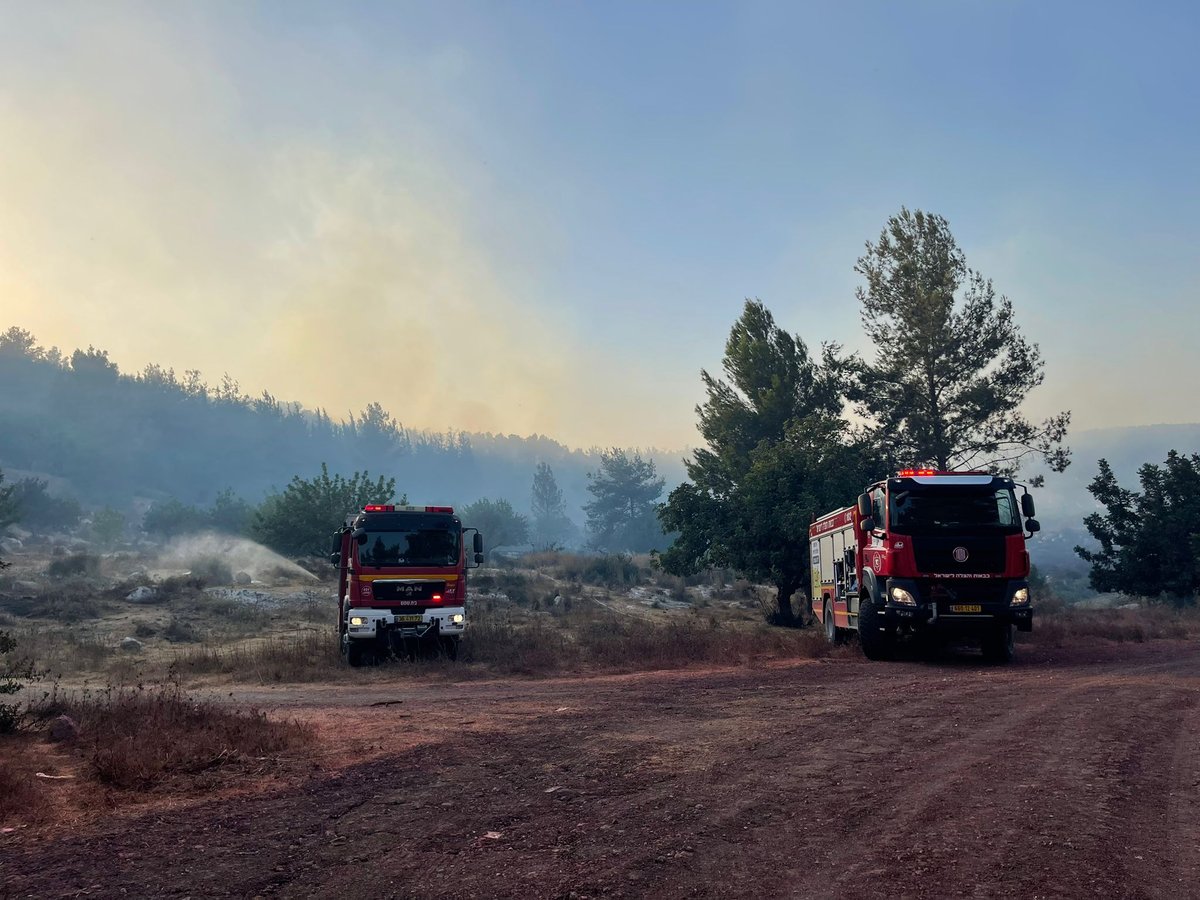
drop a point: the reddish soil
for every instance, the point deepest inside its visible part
(1068, 774)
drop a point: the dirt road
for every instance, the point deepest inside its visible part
(1068, 774)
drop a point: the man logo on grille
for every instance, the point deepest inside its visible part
(960, 554)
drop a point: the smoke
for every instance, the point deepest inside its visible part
(194, 551)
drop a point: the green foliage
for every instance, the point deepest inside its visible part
(776, 455)
(40, 510)
(13, 675)
(497, 521)
(108, 526)
(229, 514)
(622, 514)
(10, 504)
(951, 367)
(549, 512)
(171, 518)
(300, 520)
(1149, 541)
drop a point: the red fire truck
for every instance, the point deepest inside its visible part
(402, 581)
(926, 552)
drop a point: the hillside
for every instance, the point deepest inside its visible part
(111, 438)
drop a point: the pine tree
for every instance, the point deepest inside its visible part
(951, 367)
(776, 455)
(622, 516)
(549, 512)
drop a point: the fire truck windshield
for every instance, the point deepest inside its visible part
(928, 510)
(426, 547)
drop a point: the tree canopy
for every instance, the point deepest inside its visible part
(622, 514)
(300, 519)
(777, 454)
(1149, 540)
(951, 367)
(547, 508)
(497, 521)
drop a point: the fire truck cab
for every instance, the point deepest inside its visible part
(940, 554)
(402, 581)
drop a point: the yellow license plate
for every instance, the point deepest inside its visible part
(409, 618)
(966, 608)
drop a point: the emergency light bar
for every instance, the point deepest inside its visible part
(391, 507)
(921, 473)
(379, 507)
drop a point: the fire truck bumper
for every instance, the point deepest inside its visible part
(965, 612)
(370, 624)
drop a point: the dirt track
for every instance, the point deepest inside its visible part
(1064, 775)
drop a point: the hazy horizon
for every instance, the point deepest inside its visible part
(543, 218)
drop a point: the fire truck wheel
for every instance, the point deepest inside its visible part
(831, 629)
(876, 642)
(998, 644)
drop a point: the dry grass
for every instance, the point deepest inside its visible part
(595, 640)
(139, 739)
(1057, 625)
(309, 656)
(22, 795)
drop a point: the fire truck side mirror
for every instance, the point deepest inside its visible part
(867, 523)
(1033, 526)
(864, 506)
(477, 546)
(1027, 505)
(360, 537)
(335, 557)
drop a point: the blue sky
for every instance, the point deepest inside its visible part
(565, 204)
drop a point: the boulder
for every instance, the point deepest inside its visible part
(62, 728)
(242, 578)
(11, 545)
(131, 645)
(142, 594)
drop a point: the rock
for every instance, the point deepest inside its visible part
(242, 578)
(11, 545)
(19, 533)
(142, 594)
(62, 728)
(131, 645)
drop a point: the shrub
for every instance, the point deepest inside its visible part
(82, 564)
(13, 675)
(137, 738)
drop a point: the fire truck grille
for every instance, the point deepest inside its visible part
(399, 591)
(984, 591)
(942, 555)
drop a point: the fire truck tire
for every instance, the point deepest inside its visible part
(831, 629)
(998, 646)
(877, 644)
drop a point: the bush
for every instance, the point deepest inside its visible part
(13, 675)
(85, 564)
(137, 738)
(211, 570)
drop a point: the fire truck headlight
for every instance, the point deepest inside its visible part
(1021, 597)
(357, 620)
(903, 597)
(457, 618)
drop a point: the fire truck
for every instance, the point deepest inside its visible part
(926, 553)
(402, 581)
